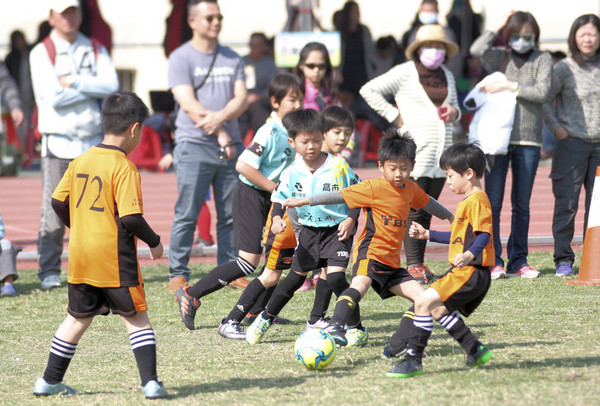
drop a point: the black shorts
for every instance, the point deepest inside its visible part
(88, 301)
(319, 247)
(463, 289)
(250, 208)
(384, 277)
(278, 259)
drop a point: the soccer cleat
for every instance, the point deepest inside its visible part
(240, 283)
(389, 352)
(51, 281)
(43, 388)
(405, 369)
(187, 307)
(231, 329)
(422, 274)
(357, 337)
(257, 329)
(8, 290)
(154, 390)
(564, 270)
(481, 356)
(306, 286)
(526, 271)
(338, 333)
(319, 324)
(498, 272)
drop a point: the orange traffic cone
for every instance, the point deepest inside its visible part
(589, 269)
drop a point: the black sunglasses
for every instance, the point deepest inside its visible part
(320, 66)
(210, 18)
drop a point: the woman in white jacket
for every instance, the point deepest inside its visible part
(426, 104)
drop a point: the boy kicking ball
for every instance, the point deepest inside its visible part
(100, 199)
(471, 254)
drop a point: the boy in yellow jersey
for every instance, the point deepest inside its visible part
(100, 199)
(471, 255)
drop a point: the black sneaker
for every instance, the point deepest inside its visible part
(338, 333)
(405, 369)
(481, 356)
(390, 353)
(187, 307)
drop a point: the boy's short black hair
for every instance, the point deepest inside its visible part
(305, 121)
(120, 110)
(336, 116)
(460, 157)
(396, 145)
(282, 84)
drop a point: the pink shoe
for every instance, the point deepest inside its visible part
(315, 278)
(526, 271)
(498, 272)
(305, 286)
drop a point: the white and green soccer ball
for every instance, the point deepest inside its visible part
(315, 349)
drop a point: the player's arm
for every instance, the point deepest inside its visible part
(140, 228)
(435, 208)
(62, 210)
(255, 176)
(277, 223)
(316, 200)
(481, 240)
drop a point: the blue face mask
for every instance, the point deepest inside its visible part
(427, 17)
(521, 45)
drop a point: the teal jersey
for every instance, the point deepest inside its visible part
(270, 151)
(299, 182)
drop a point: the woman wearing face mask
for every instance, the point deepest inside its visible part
(529, 74)
(576, 124)
(424, 92)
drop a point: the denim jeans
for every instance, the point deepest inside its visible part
(524, 161)
(197, 167)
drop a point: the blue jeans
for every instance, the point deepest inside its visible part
(524, 161)
(197, 167)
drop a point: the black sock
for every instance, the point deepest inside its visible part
(400, 337)
(345, 305)
(61, 353)
(220, 277)
(456, 327)
(420, 333)
(143, 345)
(322, 297)
(247, 300)
(283, 293)
(262, 301)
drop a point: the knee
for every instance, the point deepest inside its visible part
(422, 305)
(337, 282)
(269, 278)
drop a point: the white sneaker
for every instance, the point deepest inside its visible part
(498, 272)
(232, 329)
(319, 324)
(257, 329)
(51, 281)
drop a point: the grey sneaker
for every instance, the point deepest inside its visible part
(154, 390)
(319, 324)
(51, 281)
(232, 329)
(43, 388)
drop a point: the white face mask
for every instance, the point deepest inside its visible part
(427, 17)
(521, 45)
(432, 58)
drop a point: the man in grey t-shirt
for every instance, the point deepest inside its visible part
(207, 137)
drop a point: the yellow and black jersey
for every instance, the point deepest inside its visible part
(473, 215)
(386, 209)
(102, 186)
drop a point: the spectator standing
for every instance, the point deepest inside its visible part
(208, 82)
(70, 75)
(426, 105)
(575, 121)
(529, 74)
(8, 265)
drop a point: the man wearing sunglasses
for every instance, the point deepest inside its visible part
(207, 81)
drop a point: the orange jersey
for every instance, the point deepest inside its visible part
(102, 186)
(386, 209)
(473, 215)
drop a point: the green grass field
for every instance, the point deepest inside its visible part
(544, 336)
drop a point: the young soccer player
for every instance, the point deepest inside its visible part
(279, 248)
(386, 202)
(325, 233)
(100, 199)
(260, 166)
(471, 255)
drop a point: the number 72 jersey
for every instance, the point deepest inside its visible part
(102, 186)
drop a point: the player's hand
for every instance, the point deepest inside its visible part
(157, 251)
(345, 229)
(293, 202)
(463, 259)
(278, 225)
(418, 231)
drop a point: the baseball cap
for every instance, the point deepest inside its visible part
(61, 5)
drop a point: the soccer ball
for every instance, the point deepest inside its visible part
(315, 349)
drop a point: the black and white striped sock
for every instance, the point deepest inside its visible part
(143, 344)
(61, 353)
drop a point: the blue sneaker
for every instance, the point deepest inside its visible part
(8, 290)
(43, 388)
(564, 270)
(154, 390)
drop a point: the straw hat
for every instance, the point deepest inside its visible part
(431, 32)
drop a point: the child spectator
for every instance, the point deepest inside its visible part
(8, 265)
(471, 255)
(100, 199)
